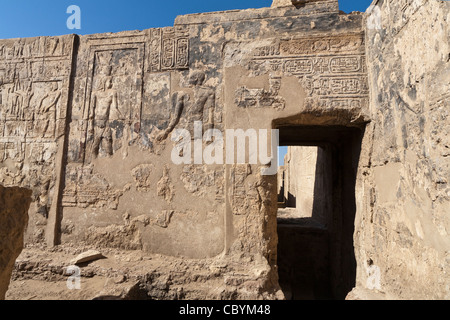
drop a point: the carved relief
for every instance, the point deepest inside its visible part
(155, 50)
(112, 116)
(169, 49)
(86, 189)
(165, 187)
(345, 64)
(33, 94)
(267, 51)
(162, 219)
(260, 98)
(326, 66)
(168, 54)
(35, 48)
(323, 45)
(32, 110)
(199, 181)
(47, 110)
(338, 103)
(104, 100)
(298, 66)
(182, 57)
(141, 175)
(187, 110)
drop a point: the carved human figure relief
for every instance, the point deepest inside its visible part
(200, 108)
(18, 99)
(103, 104)
(46, 111)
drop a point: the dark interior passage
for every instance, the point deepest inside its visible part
(315, 251)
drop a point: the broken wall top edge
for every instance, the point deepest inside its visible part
(310, 8)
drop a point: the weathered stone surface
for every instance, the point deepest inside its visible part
(86, 122)
(402, 228)
(286, 3)
(14, 205)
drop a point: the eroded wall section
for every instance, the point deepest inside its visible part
(101, 110)
(34, 93)
(402, 231)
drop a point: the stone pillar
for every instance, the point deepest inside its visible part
(14, 205)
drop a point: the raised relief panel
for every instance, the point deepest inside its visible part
(165, 187)
(168, 53)
(112, 112)
(185, 109)
(49, 47)
(201, 182)
(34, 84)
(299, 66)
(169, 49)
(323, 45)
(142, 177)
(345, 64)
(33, 90)
(87, 189)
(261, 98)
(155, 50)
(182, 57)
(329, 67)
(47, 108)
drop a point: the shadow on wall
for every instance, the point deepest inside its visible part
(14, 205)
(316, 257)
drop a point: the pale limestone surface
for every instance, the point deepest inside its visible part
(86, 124)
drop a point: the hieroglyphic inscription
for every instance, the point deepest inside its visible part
(323, 65)
(32, 91)
(85, 188)
(323, 45)
(330, 67)
(34, 48)
(169, 49)
(34, 82)
(260, 98)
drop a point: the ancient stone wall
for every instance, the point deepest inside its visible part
(86, 123)
(402, 240)
(14, 205)
(34, 95)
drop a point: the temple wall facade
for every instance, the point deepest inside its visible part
(91, 125)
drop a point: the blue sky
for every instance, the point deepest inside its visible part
(30, 18)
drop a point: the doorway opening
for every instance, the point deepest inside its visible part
(316, 211)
